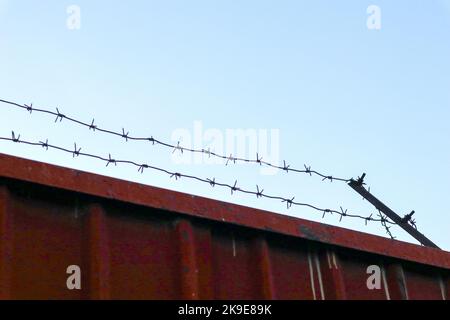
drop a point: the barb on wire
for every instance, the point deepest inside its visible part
(29, 108)
(258, 159)
(325, 212)
(110, 160)
(59, 116)
(45, 144)
(307, 169)
(176, 175)
(178, 147)
(285, 167)
(369, 218)
(90, 125)
(384, 221)
(13, 137)
(289, 202)
(125, 135)
(212, 182)
(259, 193)
(230, 158)
(343, 214)
(76, 152)
(234, 187)
(142, 167)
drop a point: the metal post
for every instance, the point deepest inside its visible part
(358, 186)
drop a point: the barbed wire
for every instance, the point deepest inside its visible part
(124, 134)
(384, 221)
(259, 193)
(59, 117)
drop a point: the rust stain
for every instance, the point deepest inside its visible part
(312, 234)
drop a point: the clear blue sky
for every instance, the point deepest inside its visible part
(344, 98)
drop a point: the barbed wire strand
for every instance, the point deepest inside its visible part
(384, 221)
(59, 116)
(259, 193)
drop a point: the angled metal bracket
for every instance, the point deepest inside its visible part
(358, 186)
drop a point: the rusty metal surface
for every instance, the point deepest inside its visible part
(139, 242)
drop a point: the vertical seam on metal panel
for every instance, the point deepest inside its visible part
(402, 273)
(311, 275)
(319, 273)
(6, 244)
(266, 268)
(334, 260)
(189, 267)
(386, 288)
(338, 280)
(329, 260)
(233, 243)
(442, 287)
(99, 259)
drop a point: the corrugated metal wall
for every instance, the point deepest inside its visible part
(137, 242)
